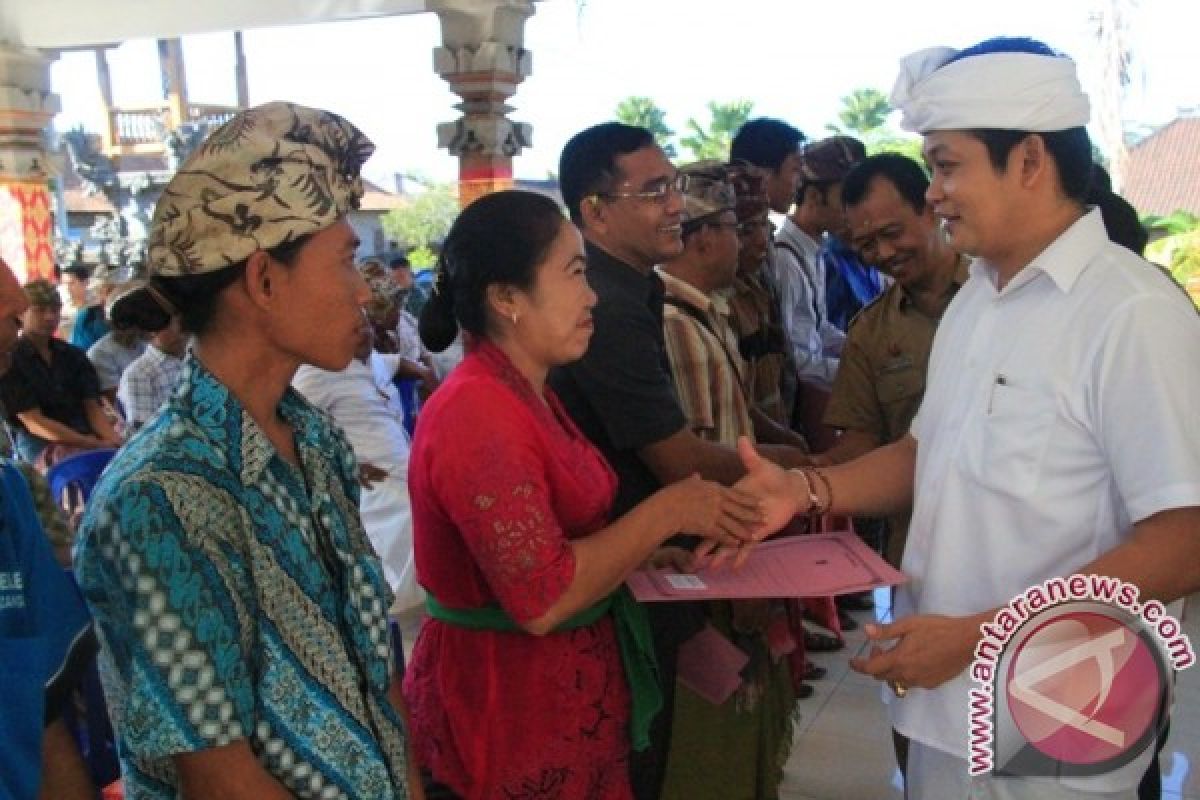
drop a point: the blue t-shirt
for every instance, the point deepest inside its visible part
(42, 621)
(850, 285)
(90, 325)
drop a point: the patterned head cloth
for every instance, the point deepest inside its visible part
(373, 268)
(708, 190)
(382, 303)
(750, 187)
(42, 294)
(267, 177)
(830, 159)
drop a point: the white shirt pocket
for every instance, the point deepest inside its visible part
(1005, 442)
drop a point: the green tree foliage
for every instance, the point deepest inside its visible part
(885, 141)
(1179, 249)
(1178, 221)
(864, 111)
(864, 115)
(421, 259)
(424, 221)
(645, 113)
(713, 141)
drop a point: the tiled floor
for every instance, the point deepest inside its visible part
(843, 748)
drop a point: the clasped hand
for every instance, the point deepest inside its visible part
(724, 516)
(927, 650)
(777, 503)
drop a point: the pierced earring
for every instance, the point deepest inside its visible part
(515, 318)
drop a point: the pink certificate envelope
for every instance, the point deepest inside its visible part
(795, 566)
(711, 665)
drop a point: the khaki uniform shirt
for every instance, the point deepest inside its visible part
(881, 380)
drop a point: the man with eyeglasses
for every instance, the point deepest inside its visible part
(625, 196)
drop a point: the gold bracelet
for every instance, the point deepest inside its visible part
(828, 490)
(814, 502)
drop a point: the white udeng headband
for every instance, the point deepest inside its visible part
(1011, 91)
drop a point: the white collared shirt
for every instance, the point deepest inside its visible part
(815, 341)
(146, 384)
(1059, 412)
(364, 402)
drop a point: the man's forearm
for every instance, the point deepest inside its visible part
(99, 421)
(64, 774)
(51, 430)
(1161, 557)
(880, 482)
(850, 445)
(684, 453)
(768, 431)
(785, 455)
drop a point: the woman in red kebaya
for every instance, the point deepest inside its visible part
(528, 680)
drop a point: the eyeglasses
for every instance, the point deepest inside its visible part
(656, 192)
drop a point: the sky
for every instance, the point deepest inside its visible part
(794, 58)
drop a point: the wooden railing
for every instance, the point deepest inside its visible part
(139, 131)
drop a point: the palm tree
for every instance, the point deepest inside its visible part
(713, 142)
(863, 112)
(645, 113)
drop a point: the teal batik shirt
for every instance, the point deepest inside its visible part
(237, 597)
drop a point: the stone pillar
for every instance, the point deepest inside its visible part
(108, 134)
(483, 58)
(174, 78)
(26, 107)
(239, 69)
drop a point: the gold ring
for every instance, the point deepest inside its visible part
(898, 688)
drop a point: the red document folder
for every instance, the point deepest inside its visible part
(795, 566)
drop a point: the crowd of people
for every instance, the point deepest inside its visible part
(969, 359)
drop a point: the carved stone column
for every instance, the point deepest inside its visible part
(483, 58)
(26, 107)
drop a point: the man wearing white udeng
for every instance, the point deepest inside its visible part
(1058, 432)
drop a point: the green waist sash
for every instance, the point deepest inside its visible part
(633, 638)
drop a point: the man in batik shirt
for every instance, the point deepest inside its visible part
(242, 611)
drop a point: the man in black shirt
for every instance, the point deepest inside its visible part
(625, 196)
(51, 393)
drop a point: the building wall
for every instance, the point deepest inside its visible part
(368, 226)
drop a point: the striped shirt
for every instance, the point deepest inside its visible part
(705, 370)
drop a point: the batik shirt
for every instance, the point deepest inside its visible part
(237, 597)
